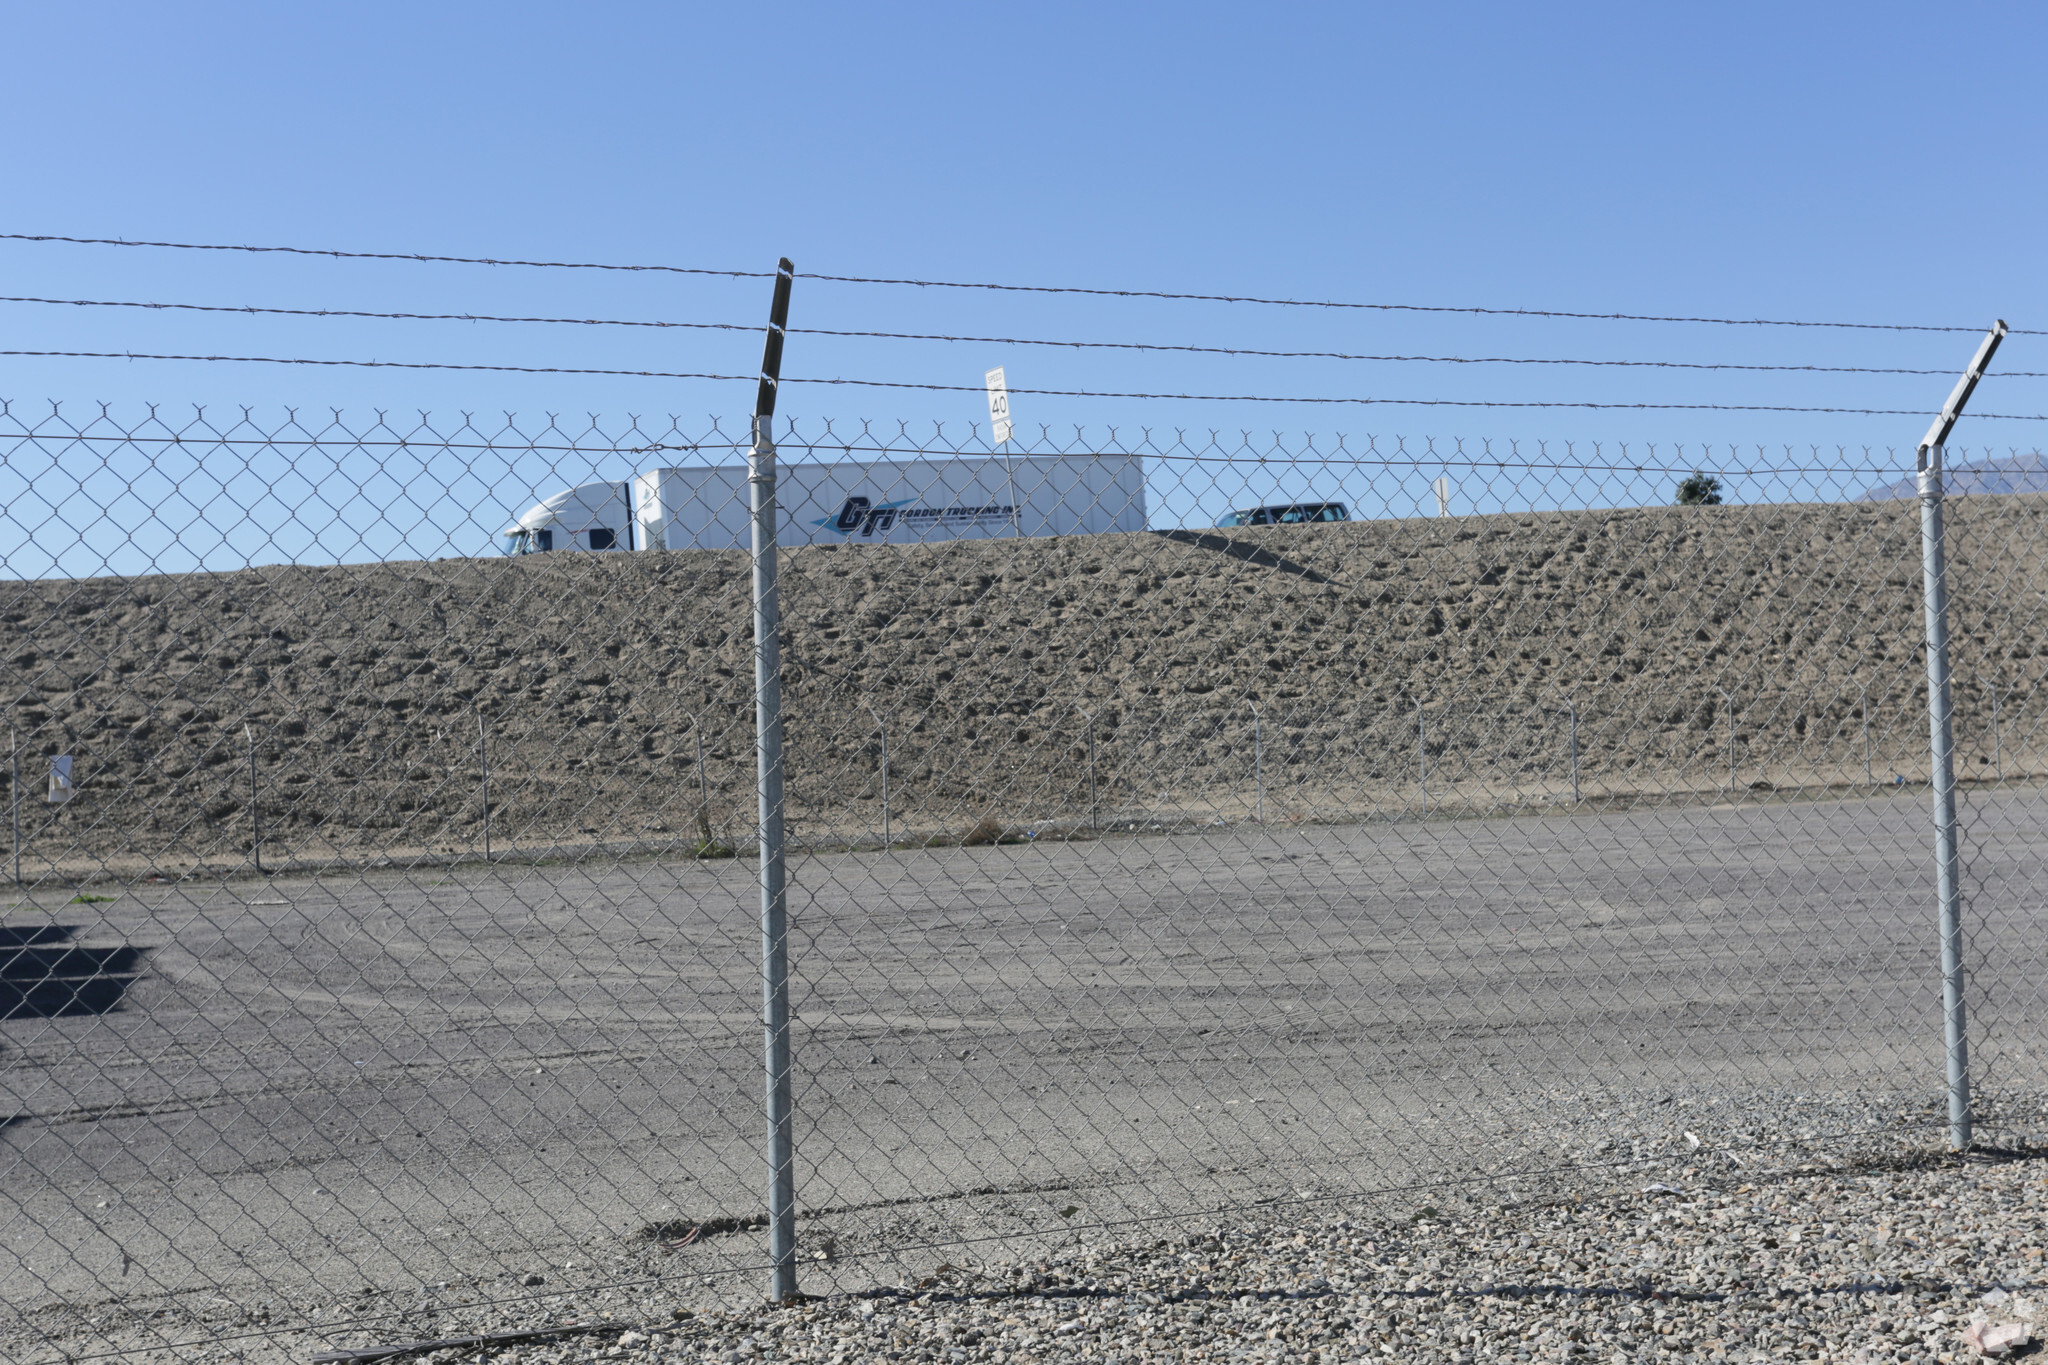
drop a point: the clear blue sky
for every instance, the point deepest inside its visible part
(1872, 162)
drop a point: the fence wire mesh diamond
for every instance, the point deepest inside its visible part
(1175, 826)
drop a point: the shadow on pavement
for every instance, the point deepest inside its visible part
(44, 976)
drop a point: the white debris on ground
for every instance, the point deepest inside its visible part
(1918, 1263)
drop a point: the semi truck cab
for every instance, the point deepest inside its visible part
(594, 516)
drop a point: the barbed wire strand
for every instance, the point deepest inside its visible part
(387, 256)
(256, 310)
(1410, 307)
(1006, 288)
(839, 448)
(1049, 393)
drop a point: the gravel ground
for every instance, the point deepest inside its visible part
(1890, 1262)
(1873, 1247)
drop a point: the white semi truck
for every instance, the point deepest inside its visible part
(862, 502)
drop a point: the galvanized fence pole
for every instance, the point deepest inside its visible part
(704, 838)
(1863, 706)
(255, 799)
(1947, 856)
(1941, 735)
(1422, 754)
(1258, 760)
(14, 796)
(483, 758)
(1573, 708)
(769, 775)
(1997, 747)
(1094, 818)
(1731, 739)
(882, 729)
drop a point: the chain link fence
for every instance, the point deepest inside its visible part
(1175, 827)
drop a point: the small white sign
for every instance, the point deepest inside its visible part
(61, 789)
(1443, 496)
(998, 406)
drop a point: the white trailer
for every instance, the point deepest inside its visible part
(863, 502)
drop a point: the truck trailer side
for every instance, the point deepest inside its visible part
(705, 507)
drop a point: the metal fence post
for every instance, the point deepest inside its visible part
(14, 796)
(769, 775)
(1997, 748)
(1422, 753)
(1731, 739)
(1864, 707)
(483, 758)
(704, 838)
(882, 729)
(1094, 818)
(1947, 858)
(1258, 760)
(255, 796)
(1573, 708)
(1941, 735)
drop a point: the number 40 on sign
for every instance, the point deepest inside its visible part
(998, 406)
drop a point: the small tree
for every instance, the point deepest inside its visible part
(1701, 490)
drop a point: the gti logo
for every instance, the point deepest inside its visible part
(858, 514)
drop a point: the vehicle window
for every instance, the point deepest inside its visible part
(1290, 515)
(1332, 511)
(544, 539)
(602, 538)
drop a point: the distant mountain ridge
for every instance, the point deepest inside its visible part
(2012, 474)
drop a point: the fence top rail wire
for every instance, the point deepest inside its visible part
(254, 310)
(1317, 400)
(1007, 288)
(1176, 449)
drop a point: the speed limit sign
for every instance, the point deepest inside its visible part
(998, 405)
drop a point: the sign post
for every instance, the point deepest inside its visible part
(1000, 431)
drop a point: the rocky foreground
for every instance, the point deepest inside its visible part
(1904, 1261)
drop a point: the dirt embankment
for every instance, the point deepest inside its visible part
(1307, 668)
